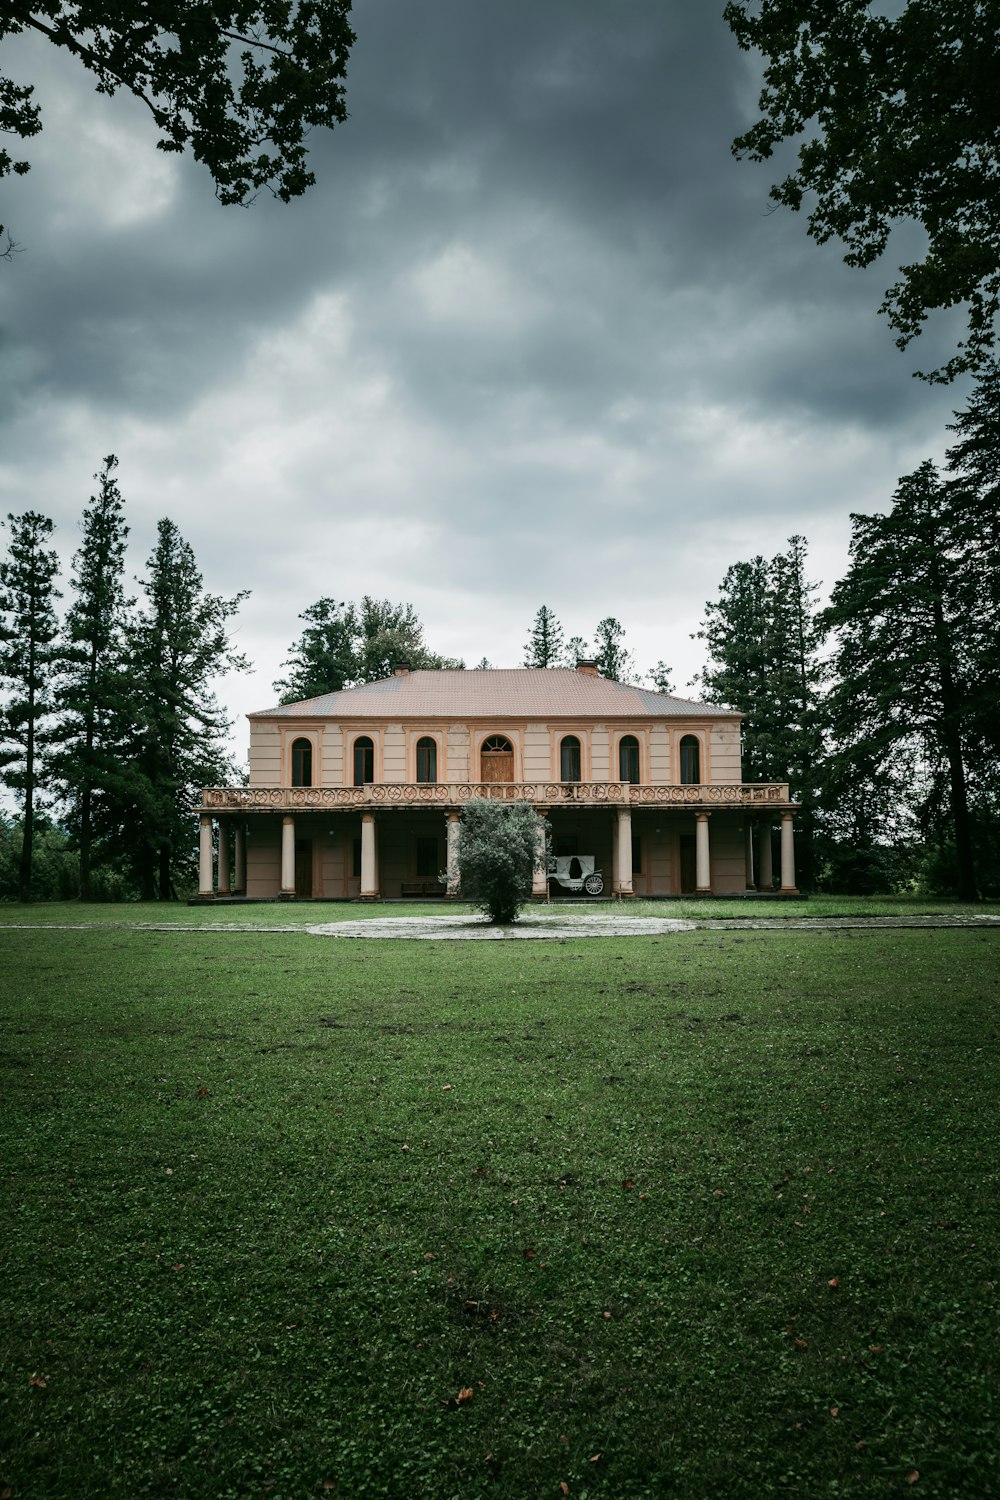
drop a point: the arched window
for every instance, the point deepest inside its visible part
(690, 761)
(628, 759)
(364, 760)
(302, 763)
(569, 758)
(496, 758)
(427, 759)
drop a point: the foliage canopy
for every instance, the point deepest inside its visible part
(500, 844)
(239, 84)
(901, 119)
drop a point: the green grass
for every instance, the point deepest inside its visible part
(305, 913)
(719, 1208)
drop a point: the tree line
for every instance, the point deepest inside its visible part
(883, 709)
(108, 717)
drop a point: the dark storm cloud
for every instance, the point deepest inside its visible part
(534, 334)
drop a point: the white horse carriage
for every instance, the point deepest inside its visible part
(576, 872)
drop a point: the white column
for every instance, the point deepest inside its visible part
(369, 858)
(788, 886)
(453, 829)
(766, 871)
(748, 853)
(539, 873)
(623, 850)
(240, 860)
(702, 856)
(206, 875)
(287, 856)
(224, 888)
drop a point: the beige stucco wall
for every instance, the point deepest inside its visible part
(536, 745)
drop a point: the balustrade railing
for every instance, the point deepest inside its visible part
(455, 794)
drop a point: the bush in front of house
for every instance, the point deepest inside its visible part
(499, 846)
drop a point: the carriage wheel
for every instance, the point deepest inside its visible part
(594, 884)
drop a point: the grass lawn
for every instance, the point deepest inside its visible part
(305, 913)
(713, 1214)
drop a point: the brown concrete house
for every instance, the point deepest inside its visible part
(360, 793)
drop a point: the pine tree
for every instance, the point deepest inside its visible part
(93, 682)
(545, 641)
(763, 639)
(28, 653)
(576, 650)
(322, 660)
(181, 642)
(347, 644)
(613, 660)
(909, 647)
(661, 676)
(736, 631)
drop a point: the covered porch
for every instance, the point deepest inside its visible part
(387, 842)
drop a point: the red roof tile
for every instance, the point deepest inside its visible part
(499, 693)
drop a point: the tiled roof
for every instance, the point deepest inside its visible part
(519, 693)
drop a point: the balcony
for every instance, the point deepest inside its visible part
(449, 796)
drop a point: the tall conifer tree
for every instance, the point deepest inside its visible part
(613, 659)
(910, 642)
(93, 687)
(545, 641)
(28, 629)
(181, 642)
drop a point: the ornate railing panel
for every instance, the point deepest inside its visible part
(252, 799)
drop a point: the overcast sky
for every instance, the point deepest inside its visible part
(533, 337)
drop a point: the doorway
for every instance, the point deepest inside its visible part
(689, 865)
(303, 867)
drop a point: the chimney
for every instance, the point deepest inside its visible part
(401, 669)
(586, 664)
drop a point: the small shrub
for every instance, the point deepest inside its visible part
(500, 844)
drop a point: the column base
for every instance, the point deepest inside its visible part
(703, 890)
(789, 890)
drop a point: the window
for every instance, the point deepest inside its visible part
(427, 760)
(302, 763)
(628, 759)
(364, 761)
(690, 761)
(569, 759)
(427, 857)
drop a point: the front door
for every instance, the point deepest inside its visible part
(689, 868)
(303, 867)
(497, 760)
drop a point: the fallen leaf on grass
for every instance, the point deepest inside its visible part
(38, 1380)
(594, 1457)
(835, 1412)
(446, 1088)
(564, 1486)
(203, 1092)
(5, 1490)
(329, 1484)
(834, 1281)
(801, 1344)
(170, 1171)
(465, 1394)
(628, 1184)
(913, 1476)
